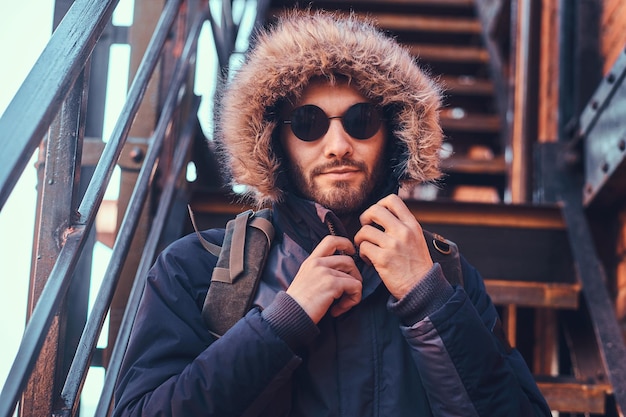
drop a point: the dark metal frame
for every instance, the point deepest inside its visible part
(59, 70)
(578, 70)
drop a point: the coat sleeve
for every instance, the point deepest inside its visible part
(466, 366)
(174, 367)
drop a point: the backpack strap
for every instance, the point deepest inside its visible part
(238, 270)
(242, 257)
(212, 248)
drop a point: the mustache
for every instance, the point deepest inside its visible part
(338, 163)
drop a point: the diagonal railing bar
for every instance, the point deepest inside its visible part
(40, 96)
(147, 258)
(60, 276)
(96, 189)
(593, 277)
(78, 369)
(39, 324)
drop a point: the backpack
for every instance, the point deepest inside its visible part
(242, 257)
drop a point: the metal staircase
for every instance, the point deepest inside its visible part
(538, 257)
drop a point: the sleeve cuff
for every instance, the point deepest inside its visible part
(426, 297)
(290, 321)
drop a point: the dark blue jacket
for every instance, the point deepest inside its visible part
(375, 360)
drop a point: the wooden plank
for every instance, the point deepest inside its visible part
(534, 294)
(420, 23)
(546, 346)
(575, 397)
(548, 117)
(434, 212)
(455, 54)
(612, 32)
(464, 85)
(467, 165)
(509, 321)
(485, 123)
(520, 133)
(430, 3)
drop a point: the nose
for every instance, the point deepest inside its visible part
(337, 143)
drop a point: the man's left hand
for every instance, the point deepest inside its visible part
(398, 251)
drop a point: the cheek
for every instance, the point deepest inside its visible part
(299, 154)
(374, 153)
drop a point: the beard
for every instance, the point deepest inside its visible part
(342, 197)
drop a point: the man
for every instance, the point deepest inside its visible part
(325, 120)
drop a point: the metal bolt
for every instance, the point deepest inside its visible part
(621, 145)
(605, 167)
(136, 154)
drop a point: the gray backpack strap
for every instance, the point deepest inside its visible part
(210, 247)
(446, 253)
(238, 270)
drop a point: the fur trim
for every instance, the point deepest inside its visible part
(307, 44)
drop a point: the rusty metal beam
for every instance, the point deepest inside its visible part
(592, 277)
(55, 212)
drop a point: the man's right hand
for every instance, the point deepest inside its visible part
(327, 280)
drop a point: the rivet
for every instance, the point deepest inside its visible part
(136, 154)
(621, 145)
(605, 167)
(610, 78)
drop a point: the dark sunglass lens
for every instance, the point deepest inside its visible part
(361, 121)
(309, 122)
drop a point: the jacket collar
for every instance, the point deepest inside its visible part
(306, 223)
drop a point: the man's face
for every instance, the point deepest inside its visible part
(337, 170)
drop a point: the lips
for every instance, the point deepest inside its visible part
(341, 171)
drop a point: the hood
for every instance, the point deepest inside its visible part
(306, 44)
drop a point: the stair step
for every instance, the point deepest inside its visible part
(416, 23)
(387, 3)
(574, 396)
(471, 123)
(534, 294)
(467, 165)
(518, 216)
(453, 54)
(469, 86)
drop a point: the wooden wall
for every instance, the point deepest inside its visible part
(612, 31)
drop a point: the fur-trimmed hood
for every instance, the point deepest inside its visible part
(302, 45)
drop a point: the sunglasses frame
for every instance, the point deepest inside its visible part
(375, 118)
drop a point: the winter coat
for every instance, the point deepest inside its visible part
(371, 361)
(435, 352)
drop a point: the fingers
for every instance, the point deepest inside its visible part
(332, 245)
(387, 213)
(326, 279)
(386, 224)
(397, 249)
(352, 293)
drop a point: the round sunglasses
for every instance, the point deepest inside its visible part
(309, 122)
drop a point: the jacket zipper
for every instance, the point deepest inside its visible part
(332, 229)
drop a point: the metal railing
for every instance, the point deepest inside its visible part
(54, 94)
